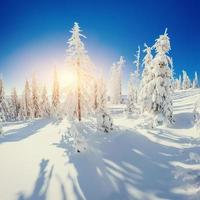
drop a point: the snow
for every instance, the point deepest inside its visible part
(134, 161)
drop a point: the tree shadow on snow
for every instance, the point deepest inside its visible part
(22, 133)
(183, 120)
(122, 164)
(41, 185)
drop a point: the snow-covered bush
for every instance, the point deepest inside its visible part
(79, 142)
(104, 122)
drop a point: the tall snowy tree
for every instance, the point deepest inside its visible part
(195, 83)
(104, 121)
(14, 105)
(35, 98)
(4, 114)
(137, 62)
(179, 83)
(27, 101)
(160, 89)
(55, 95)
(147, 76)
(82, 67)
(45, 105)
(134, 81)
(132, 95)
(186, 84)
(116, 81)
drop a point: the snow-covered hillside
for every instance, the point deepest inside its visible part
(38, 161)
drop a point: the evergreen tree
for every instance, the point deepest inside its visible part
(195, 83)
(15, 105)
(35, 98)
(159, 87)
(104, 121)
(4, 114)
(179, 83)
(186, 81)
(82, 67)
(116, 81)
(26, 102)
(55, 95)
(132, 95)
(45, 106)
(147, 76)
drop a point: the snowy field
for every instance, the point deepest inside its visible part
(38, 161)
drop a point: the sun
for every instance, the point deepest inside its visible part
(67, 78)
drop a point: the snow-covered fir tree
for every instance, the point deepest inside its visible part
(35, 98)
(45, 105)
(186, 84)
(195, 83)
(132, 95)
(104, 120)
(116, 81)
(147, 76)
(82, 67)
(134, 80)
(55, 95)
(14, 105)
(4, 113)
(27, 106)
(179, 83)
(159, 92)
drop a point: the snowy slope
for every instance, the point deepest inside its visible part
(38, 161)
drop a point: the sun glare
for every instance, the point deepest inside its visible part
(67, 78)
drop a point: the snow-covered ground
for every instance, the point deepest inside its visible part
(38, 161)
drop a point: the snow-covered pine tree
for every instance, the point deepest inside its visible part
(45, 105)
(116, 81)
(134, 81)
(195, 83)
(4, 113)
(186, 84)
(27, 102)
(22, 110)
(147, 76)
(104, 120)
(159, 87)
(83, 68)
(14, 105)
(35, 98)
(131, 95)
(55, 95)
(179, 83)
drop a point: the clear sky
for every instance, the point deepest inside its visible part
(33, 34)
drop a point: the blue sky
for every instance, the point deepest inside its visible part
(33, 34)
